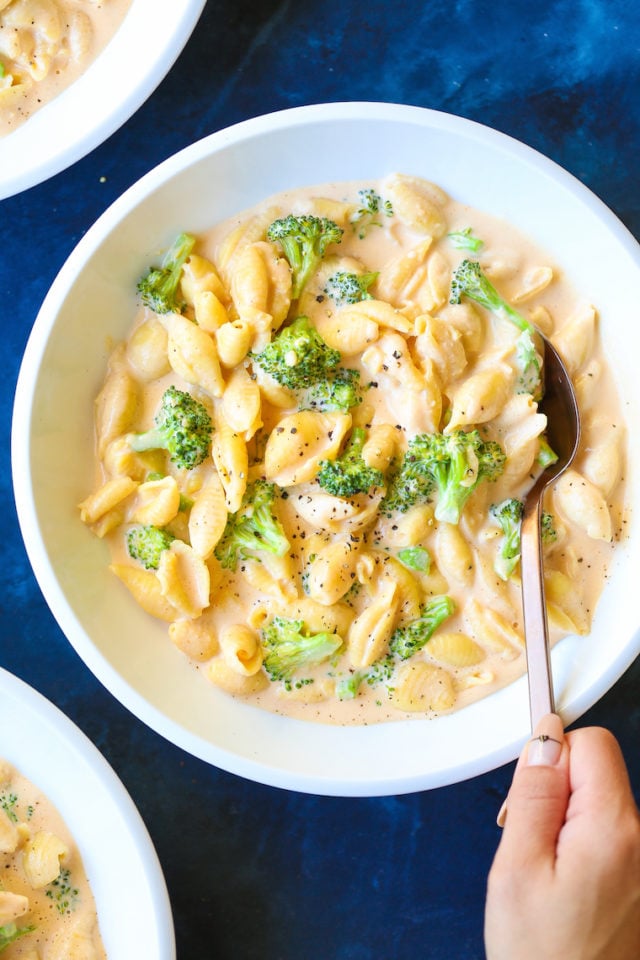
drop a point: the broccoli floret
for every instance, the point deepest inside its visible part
(10, 932)
(298, 356)
(304, 241)
(508, 516)
(381, 671)
(288, 646)
(450, 465)
(344, 287)
(253, 530)
(183, 427)
(407, 640)
(340, 391)
(465, 240)
(548, 532)
(62, 891)
(468, 280)
(8, 803)
(416, 558)
(158, 288)
(146, 544)
(528, 364)
(372, 206)
(546, 455)
(349, 474)
(406, 485)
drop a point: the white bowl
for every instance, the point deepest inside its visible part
(115, 84)
(117, 853)
(64, 365)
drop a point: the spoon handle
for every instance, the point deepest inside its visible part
(541, 700)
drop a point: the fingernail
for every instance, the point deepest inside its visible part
(501, 819)
(543, 751)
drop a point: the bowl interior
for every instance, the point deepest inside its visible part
(91, 304)
(109, 91)
(116, 850)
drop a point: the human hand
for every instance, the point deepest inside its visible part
(565, 881)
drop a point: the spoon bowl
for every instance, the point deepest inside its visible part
(560, 406)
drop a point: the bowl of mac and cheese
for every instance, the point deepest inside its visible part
(71, 73)
(73, 844)
(271, 488)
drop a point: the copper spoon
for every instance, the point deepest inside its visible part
(560, 406)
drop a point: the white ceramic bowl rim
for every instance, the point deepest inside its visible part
(117, 852)
(109, 91)
(292, 754)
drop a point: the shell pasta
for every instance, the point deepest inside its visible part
(312, 451)
(46, 903)
(45, 45)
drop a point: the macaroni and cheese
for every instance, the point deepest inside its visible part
(345, 545)
(46, 905)
(45, 45)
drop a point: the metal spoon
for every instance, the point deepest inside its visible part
(563, 432)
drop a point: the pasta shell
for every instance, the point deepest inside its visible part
(145, 588)
(229, 452)
(480, 397)
(493, 630)
(602, 464)
(370, 632)
(111, 494)
(565, 602)
(219, 673)
(299, 442)
(156, 502)
(534, 281)
(455, 649)
(42, 856)
(402, 274)
(333, 572)
(418, 203)
(184, 579)
(233, 340)
(575, 340)
(580, 502)
(241, 403)
(241, 649)
(195, 638)
(116, 407)
(453, 554)
(423, 687)
(199, 275)
(192, 354)
(147, 350)
(208, 517)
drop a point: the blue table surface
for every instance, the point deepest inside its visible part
(255, 871)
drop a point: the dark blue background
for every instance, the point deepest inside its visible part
(255, 872)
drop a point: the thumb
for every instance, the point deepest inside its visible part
(537, 801)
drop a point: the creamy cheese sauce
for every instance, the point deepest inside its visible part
(45, 45)
(54, 906)
(480, 647)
